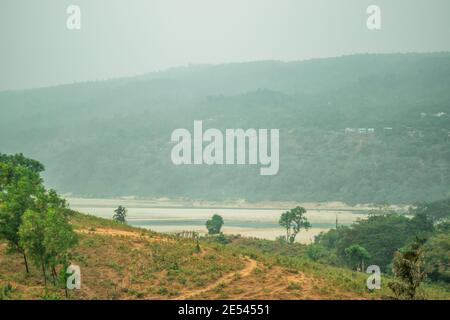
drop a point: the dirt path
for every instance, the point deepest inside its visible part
(121, 233)
(250, 265)
(110, 232)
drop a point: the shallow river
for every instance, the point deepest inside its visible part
(259, 223)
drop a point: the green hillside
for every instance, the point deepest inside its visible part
(42, 242)
(121, 262)
(112, 138)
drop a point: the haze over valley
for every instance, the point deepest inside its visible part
(357, 129)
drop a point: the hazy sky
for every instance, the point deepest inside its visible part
(128, 37)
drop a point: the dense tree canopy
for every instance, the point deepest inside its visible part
(436, 210)
(293, 221)
(32, 219)
(214, 225)
(383, 234)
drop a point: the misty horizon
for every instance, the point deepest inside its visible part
(119, 39)
(195, 65)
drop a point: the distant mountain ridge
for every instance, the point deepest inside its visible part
(112, 138)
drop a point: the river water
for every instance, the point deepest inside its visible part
(259, 223)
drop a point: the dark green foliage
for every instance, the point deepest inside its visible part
(32, 237)
(322, 254)
(5, 291)
(47, 237)
(59, 238)
(33, 220)
(120, 215)
(408, 270)
(20, 190)
(20, 160)
(215, 224)
(293, 221)
(17, 195)
(437, 211)
(330, 238)
(437, 255)
(356, 255)
(381, 234)
(222, 239)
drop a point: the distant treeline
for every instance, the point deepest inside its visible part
(386, 232)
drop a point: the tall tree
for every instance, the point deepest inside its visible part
(59, 238)
(120, 214)
(19, 187)
(215, 224)
(47, 237)
(32, 237)
(357, 255)
(293, 221)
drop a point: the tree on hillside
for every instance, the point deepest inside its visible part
(59, 238)
(47, 237)
(421, 225)
(293, 221)
(19, 188)
(50, 200)
(356, 256)
(120, 215)
(21, 192)
(381, 235)
(215, 224)
(32, 234)
(408, 271)
(20, 160)
(331, 237)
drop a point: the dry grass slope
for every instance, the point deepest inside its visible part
(122, 262)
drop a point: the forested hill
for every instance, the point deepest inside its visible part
(363, 128)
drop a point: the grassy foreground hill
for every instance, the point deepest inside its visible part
(122, 262)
